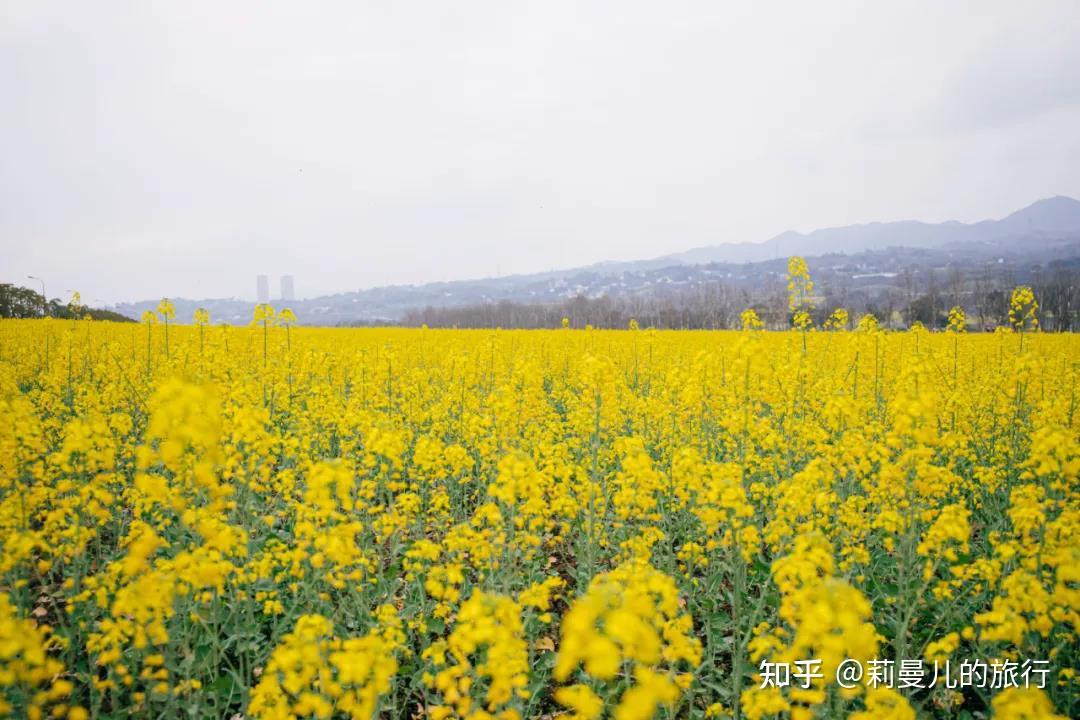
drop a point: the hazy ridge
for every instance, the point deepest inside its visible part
(1044, 232)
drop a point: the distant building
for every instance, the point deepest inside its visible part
(288, 294)
(262, 288)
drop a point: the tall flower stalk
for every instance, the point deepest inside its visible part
(1022, 312)
(167, 311)
(149, 318)
(800, 289)
(264, 315)
(202, 318)
(287, 318)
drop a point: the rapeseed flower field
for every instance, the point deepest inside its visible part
(277, 521)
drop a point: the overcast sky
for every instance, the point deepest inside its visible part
(180, 148)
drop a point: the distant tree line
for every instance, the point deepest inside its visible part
(20, 302)
(714, 306)
(923, 296)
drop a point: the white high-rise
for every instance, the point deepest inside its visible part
(287, 292)
(262, 288)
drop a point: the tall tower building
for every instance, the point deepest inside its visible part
(288, 294)
(262, 288)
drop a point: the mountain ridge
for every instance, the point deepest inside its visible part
(1049, 229)
(1046, 216)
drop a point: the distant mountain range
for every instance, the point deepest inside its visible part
(1044, 232)
(1046, 220)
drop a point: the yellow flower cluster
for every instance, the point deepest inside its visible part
(313, 673)
(749, 320)
(628, 621)
(946, 537)
(1024, 704)
(1023, 308)
(838, 320)
(27, 672)
(486, 654)
(957, 319)
(823, 618)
